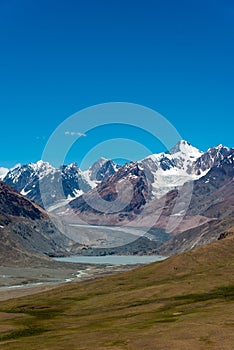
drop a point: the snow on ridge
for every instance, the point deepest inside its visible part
(18, 165)
(40, 164)
(172, 169)
(72, 166)
(3, 172)
(219, 147)
(87, 177)
(42, 169)
(24, 193)
(182, 149)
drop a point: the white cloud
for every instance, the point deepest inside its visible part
(74, 133)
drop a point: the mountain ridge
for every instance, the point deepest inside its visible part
(164, 171)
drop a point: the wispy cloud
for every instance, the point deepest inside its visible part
(74, 133)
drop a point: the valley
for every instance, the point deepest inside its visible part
(185, 301)
(173, 194)
(75, 273)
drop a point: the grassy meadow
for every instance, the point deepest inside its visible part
(184, 302)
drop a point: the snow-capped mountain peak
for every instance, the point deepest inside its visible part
(171, 169)
(42, 168)
(186, 148)
(101, 169)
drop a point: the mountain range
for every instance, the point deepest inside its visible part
(184, 196)
(164, 171)
(63, 183)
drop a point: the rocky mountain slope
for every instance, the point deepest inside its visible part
(26, 232)
(213, 198)
(209, 212)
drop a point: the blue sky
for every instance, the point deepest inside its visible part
(60, 56)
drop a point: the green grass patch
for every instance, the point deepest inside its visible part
(41, 313)
(27, 332)
(225, 292)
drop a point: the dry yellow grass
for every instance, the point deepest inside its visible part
(185, 302)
